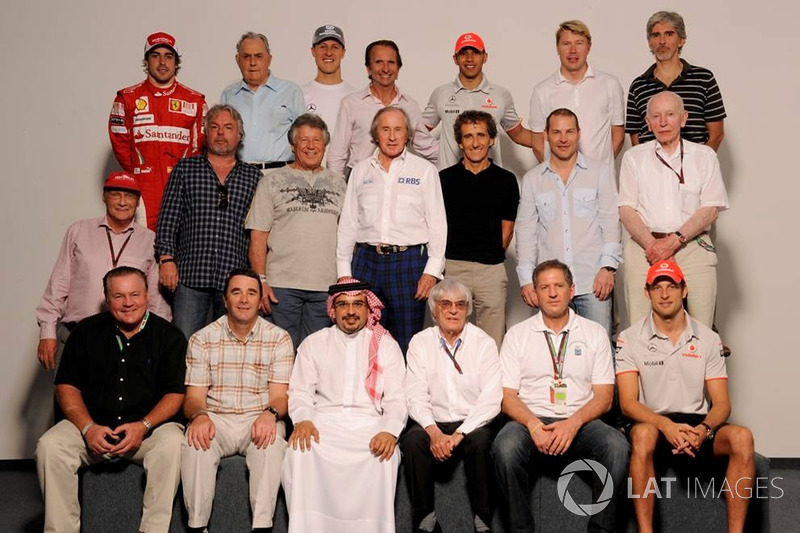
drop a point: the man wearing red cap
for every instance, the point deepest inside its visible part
(91, 248)
(673, 384)
(347, 401)
(156, 122)
(472, 90)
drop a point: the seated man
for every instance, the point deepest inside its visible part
(558, 379)
(237, 373)
(347, 401)
(666, 363)
(120, 385)
(453, 390)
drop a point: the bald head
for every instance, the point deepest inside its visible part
(665, 118)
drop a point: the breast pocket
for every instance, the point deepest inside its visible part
(410, 208)
(367, 209)
(584, 202)
(546, 206)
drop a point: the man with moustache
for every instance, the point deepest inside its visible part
(268, 104)
(393, 228)
(120, 387)
(472, 90)
(595, 97)
(201, 235)
(670, 192)
(347, 401)
(352, 142)
(155, 123)
(666, 37)
(237, 375)
(293, 222)
(90, 248)
(325, 92)
(568, 212)
(558, 379)
(477, 238)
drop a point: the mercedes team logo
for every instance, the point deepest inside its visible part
(586, 509)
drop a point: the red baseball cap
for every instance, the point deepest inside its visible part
(118, 180)
(154, 40)
(470, 40)
(666, 269)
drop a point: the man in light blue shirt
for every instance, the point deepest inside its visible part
(268, 104)
(566, 212)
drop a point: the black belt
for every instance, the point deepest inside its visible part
(386, 249)
(264, 165)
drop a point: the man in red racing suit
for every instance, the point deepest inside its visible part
(155, 123)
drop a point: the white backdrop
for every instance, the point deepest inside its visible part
(63, 61)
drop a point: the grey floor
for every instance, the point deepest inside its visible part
(21, 508)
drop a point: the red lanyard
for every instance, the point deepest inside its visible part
(115, 259)
(679, 174)
(452, 356)
(558, 359)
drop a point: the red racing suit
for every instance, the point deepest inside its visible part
(150, 130)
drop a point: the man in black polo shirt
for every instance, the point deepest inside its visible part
(481, 202)
(666, 35)
(120, 386)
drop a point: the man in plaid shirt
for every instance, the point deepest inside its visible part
(237, 376)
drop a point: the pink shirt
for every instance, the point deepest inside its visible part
(75, 288)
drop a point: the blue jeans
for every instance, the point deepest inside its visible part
(514, 452)
(588, 306)
(190, 308)
(299, 312)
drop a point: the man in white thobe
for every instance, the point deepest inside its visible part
(347, 401)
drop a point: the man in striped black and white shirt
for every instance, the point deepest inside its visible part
(666, 36)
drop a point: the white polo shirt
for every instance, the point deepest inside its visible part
(671, 377)
(528, 367)
(653, 190)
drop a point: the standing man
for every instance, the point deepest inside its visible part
(347, 401)
(237, 374)
(293, 222)
(558, 379)
(674, 386)
(594, 96)
(351, 141)
(120, 386)
(666, 36)
(567, 212)
(155, 123)
(91, 248)
(201, 235)
(268, 105)
(477, 238)
(471, 90)
(393, 228)
(324, 93)
(670, 192)
(453, 392)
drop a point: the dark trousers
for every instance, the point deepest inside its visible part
(421, 468)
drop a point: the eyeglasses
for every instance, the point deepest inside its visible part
(223, 197)
(358, 304)
(447, 304)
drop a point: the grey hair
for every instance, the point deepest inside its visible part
(253, 35)
(670, 17)
(373, 129)
(449, 286)
(311, 120)
(675, 97)
(219, 108)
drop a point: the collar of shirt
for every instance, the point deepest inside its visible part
(687, 335)
(675, 155)
(400, 159)
(142, 325)
(461, 336)
(367, 93)
(269, 84)
(483, 86)
(650, 73)
(159, 91)
(561, 79)
(581, 162)
(104, 224)
(537, 323)
(232, 335)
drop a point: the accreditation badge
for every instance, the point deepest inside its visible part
(558, 397)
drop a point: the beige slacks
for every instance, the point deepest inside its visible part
(488, 284)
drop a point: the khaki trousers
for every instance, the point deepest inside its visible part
(699, 268)
(488, 284)
(199, 468)
(61, 452)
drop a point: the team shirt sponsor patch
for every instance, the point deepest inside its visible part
(161, 133)
(408, 181)
(183, 107)
(144, 119)
(119, 129)
(489, 104)
(118, 109)
(142, 104)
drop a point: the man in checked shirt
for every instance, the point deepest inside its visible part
(237, 375)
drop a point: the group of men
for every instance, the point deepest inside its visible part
(343, 268)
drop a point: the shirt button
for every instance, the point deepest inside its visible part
(119, 418)
(122, 379)
(123, 360)
(120, 398)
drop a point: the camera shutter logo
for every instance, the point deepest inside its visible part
(586, 509)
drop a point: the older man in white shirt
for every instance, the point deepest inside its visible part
(347, 401)
(453, 390)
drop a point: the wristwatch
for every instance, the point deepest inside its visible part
(681, 238)
(710, 434)
(274, 411)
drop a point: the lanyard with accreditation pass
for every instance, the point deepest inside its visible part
(558, 389)
(679, 174)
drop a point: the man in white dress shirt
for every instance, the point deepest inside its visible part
(347, 401)
(453, 390)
